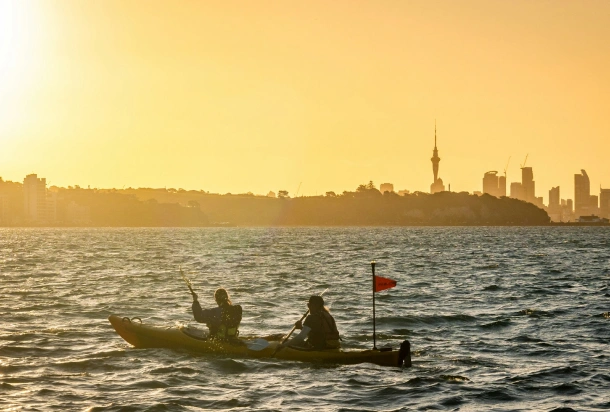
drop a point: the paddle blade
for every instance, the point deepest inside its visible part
(383, 283)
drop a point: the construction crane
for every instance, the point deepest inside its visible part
(523, 165)
(506, 167)
(299, 188)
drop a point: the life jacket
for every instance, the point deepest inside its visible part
(332, 333)
(230, 318)
(324, 333)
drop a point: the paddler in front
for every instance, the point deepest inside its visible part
(319, 331)
(222, 321)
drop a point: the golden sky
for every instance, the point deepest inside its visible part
(238, 96)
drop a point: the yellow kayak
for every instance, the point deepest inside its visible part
(142, 335)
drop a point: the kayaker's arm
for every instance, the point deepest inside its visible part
(300, 338)
(207, 316)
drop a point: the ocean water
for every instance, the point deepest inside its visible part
(499, 318)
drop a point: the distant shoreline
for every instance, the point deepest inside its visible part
(229, 225)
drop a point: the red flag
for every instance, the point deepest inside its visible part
(383, 283)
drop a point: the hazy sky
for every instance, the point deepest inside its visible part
(263, 95)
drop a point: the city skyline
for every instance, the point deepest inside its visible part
(494, 183)
(232, 97)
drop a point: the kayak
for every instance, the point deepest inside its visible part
(142, 335)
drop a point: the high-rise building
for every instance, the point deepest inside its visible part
(38, 207)
(554, 197)
(516, 191)
(502, 186)
(528, 184)
(554, 209)
(604, 203)
(491, 183)
(593, 205)
(582, 194)
(34, 196)
(386, 187)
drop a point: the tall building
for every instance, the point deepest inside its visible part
(491, 184)
(555, 209)
(38, 207)
(516, 191)
(554, 198)
(437, 185)
(593, 205)
(604, 203)
(528, 184)
(502, 186)
(582, 194)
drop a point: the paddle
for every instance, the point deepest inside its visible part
(294, 327)
(188, 283)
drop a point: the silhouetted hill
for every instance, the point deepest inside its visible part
(365, 206)
(118, 209)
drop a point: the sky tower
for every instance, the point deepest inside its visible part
(435, 159)
(437, 185)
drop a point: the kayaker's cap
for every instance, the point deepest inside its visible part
(316, 301)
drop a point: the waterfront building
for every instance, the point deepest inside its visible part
(386, 187)
(604, 202)
(437, 185)
(39, 207)
(556, 206)
(582, 194)
(567, 215)
(3, 209)
(593, 205)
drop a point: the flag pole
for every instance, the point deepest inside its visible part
(374, 335)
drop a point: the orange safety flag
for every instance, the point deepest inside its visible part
(383, 283)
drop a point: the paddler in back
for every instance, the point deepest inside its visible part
(222, 321)
(319, 331)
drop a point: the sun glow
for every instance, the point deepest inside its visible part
(20, 31)
(15, 40)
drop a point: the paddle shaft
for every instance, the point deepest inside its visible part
(188, 283)
(294, 327)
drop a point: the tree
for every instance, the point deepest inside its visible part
(367, 190)
(331, 194)
(282, 194)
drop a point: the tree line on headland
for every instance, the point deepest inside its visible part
(366, 206)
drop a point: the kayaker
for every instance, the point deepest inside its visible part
(222, 321)
(319, 331)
